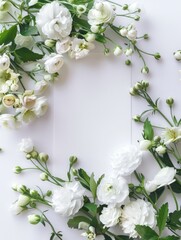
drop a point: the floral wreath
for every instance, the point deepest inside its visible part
(35, 37)
(96, 205)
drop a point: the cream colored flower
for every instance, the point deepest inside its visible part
(171, 135)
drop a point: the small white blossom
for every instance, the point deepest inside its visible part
(126, 160)
(54, 21)
(110, 216)
(34, 219)
(118, 51)
(171, 135)
(95, 28)
(135, 213)
(90, 234)
(24, 41)
(161, 149)
(4, 62)
(132, 32)
(67, 200)
(53, 63)
(123, 31)
(102, 12)
(23, 200)
(145, 144)
(128, 52)
(26, 145)
(29, 101)
(16, 209)
(90, 37)
(112, 190)
(14, 87)
(8, 121)
(40, 87)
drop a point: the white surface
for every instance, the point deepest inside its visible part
(92, 115)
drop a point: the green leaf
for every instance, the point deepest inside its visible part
(146, 232)
(100, 38)
(74, 222)
(8, 35)
(107, 237)
(122, 237)
(27, 30)
(99, 180)
(91, 207)
(148, 132)
(83, 178)
(93, 186)
(26, 55)
(176, 187)
(175, 220)
(162, 217)
(156, 194)
(170, 238)
(166, 160)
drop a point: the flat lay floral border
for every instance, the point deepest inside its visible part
(37, 36)
(96, 205)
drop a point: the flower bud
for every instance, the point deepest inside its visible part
(145, 70)
(50, 43)
(21, 188)
(177, 55)
(49, 193)
(48, 77)
(128, 62)
(90, 37)
(128, 52)
(23, 200)
(157, 56)
(161, 149)
(34, 219)
(118, 51)
(8, 100)
(137, 118)
(14, 186)
(137, 18)
(170, 101)
(106, 51)
(34, 193)
(145, 84)
(81, 9)
(125, 7)
(43, 157)
(138, 86)
(123, 31)
(95, 28)
(43, 176)
(28, 156)
(34, 154)
(146, 36)
(157, 139)
(17, 170)
(133, 91)
(145, 145)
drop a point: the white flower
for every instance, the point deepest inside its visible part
(110, 216)
(126, 160)
(177, 55)
(63, 46)
(67, 200)
(4, 7)
(145, 144)
(16, 209)
(4, 88)
(135, 213)
(90, 234)
(26, 145)
(128, 52)
(4, 62)
(95, 28)
(54, 21)
(112, 190)
(81, 9)
(8, 120)
(171, 135)
(80, 48)
(90, 37)
(40, 87)
(34, 219)
(102, 12)
(23, 200)
(53, 63)
(32, 2)
(132, 32)
(118, 51)
(150, 186)
(161, 149)
(41, 106)
(14, 87)
(29, 101)
(123, 31)
(24, 41)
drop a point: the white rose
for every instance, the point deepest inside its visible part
(41, 106)
(135, 213)
(102, 12)
(53, 63)
(24, 41)
(126, 160)
(80, 48)
(110, 216)
(145, 144)
(4, 62)
(161, 149)
(54, 21)
(63, 46)
(8, 121)
(26, 145)
(40, 87)
(67, 200)
(177, 55)
(113, 190)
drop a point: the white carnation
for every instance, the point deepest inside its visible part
(110, 216)
(102, 12)
(126, 160)
(67, 200)
(80, 48)
(113, 190)
(53, 63)
(135, 213)
(4, 62)
(26, 145)
(54, 21)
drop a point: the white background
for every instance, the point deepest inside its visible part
(90, 115)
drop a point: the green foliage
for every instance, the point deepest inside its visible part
(156, 194)
(8, 35)
(26, 55)
(93, 186)
(74, 222)
(148, 132)
(162, 217)
(91, 207)
(27, 30)
(146, 233)
(175, 220)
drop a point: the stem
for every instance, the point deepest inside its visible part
(175, 199)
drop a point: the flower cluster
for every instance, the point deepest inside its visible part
(95, 206)
(35, 37)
